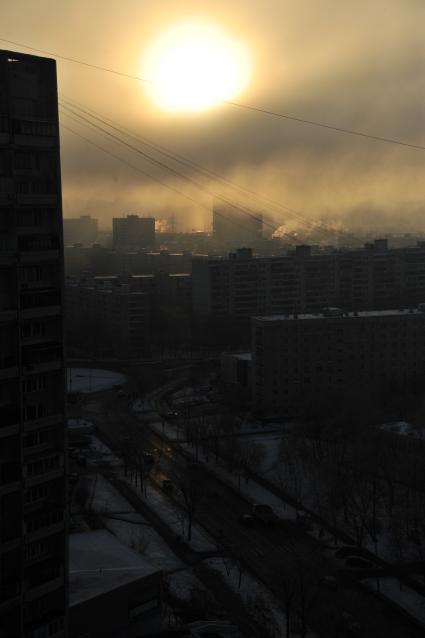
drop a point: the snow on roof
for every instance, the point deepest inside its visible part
(98, 562)
(244, 356)
(342, 316)
(92, 379)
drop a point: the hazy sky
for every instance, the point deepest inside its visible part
(351, 64)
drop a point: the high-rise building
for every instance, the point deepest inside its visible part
(133, 232)
(80, 230)
(32, 394)
(235, 227)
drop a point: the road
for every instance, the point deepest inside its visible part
(282, 554)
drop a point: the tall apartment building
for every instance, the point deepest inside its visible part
(32, 433)
(109, 318)
(80, 230)
(303, 364)
(306, 281)
(233, 226)
(133, 232)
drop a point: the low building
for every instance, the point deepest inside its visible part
(133, 231)
(80, 230)
(114, 592)
(236, 369)
(308, 364)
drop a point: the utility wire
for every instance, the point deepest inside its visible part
(199, 168)
(239, 105)
(157, 149)
(164, 165)
(124, 161)
(150, 176)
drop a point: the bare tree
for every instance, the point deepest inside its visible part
(191, 484)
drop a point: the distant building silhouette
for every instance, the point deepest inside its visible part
(80, 230)
(133, 232)
(33, 565)
(233, 226)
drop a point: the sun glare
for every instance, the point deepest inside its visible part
(193, 66)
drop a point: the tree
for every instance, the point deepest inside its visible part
(191, 484)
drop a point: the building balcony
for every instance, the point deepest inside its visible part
(37, 199)
(52, 419)
(49, 529)
(9, 415)
(42, 255)
(10, 474)
(7, 315)
(44, 477)
(9, 593)
(42, 312)
(53, 628)
(10, 544)
(45, 588)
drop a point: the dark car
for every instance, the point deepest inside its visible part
(247, 520)
(329, 582)
(350, 550)
(357, 562)
(167, 485)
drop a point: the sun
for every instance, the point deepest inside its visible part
(193, 66)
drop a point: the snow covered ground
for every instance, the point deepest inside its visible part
(129, 526)
(78, 423)
(174, 517)
(404, 429)
(406, 598)
(261, 604)
(92, 380)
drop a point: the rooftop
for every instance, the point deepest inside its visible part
(336, 313)
(98, 562)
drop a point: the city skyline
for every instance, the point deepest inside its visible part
(352, 67)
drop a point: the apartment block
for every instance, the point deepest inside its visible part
(234, 226)
(133, 232)
(305, 363)
(80, 230)
(303, 280)
(33, 555)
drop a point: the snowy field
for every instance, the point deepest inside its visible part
(92, 379)
(402, 428)
(129, 526)
(173, 516)
(261, 604)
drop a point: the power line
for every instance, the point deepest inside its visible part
(239, 105)
(123, 161)
(198, 167)
(164, 165)
(158, 149)
(129, 164)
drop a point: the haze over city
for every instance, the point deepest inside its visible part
(355, 66)
(212, 319)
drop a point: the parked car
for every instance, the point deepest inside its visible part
(264, 513)
(350, 624)
(247, 520)
(167, 485)
(357, 562)
(350, 550)
(329, 582)
(305, 520)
